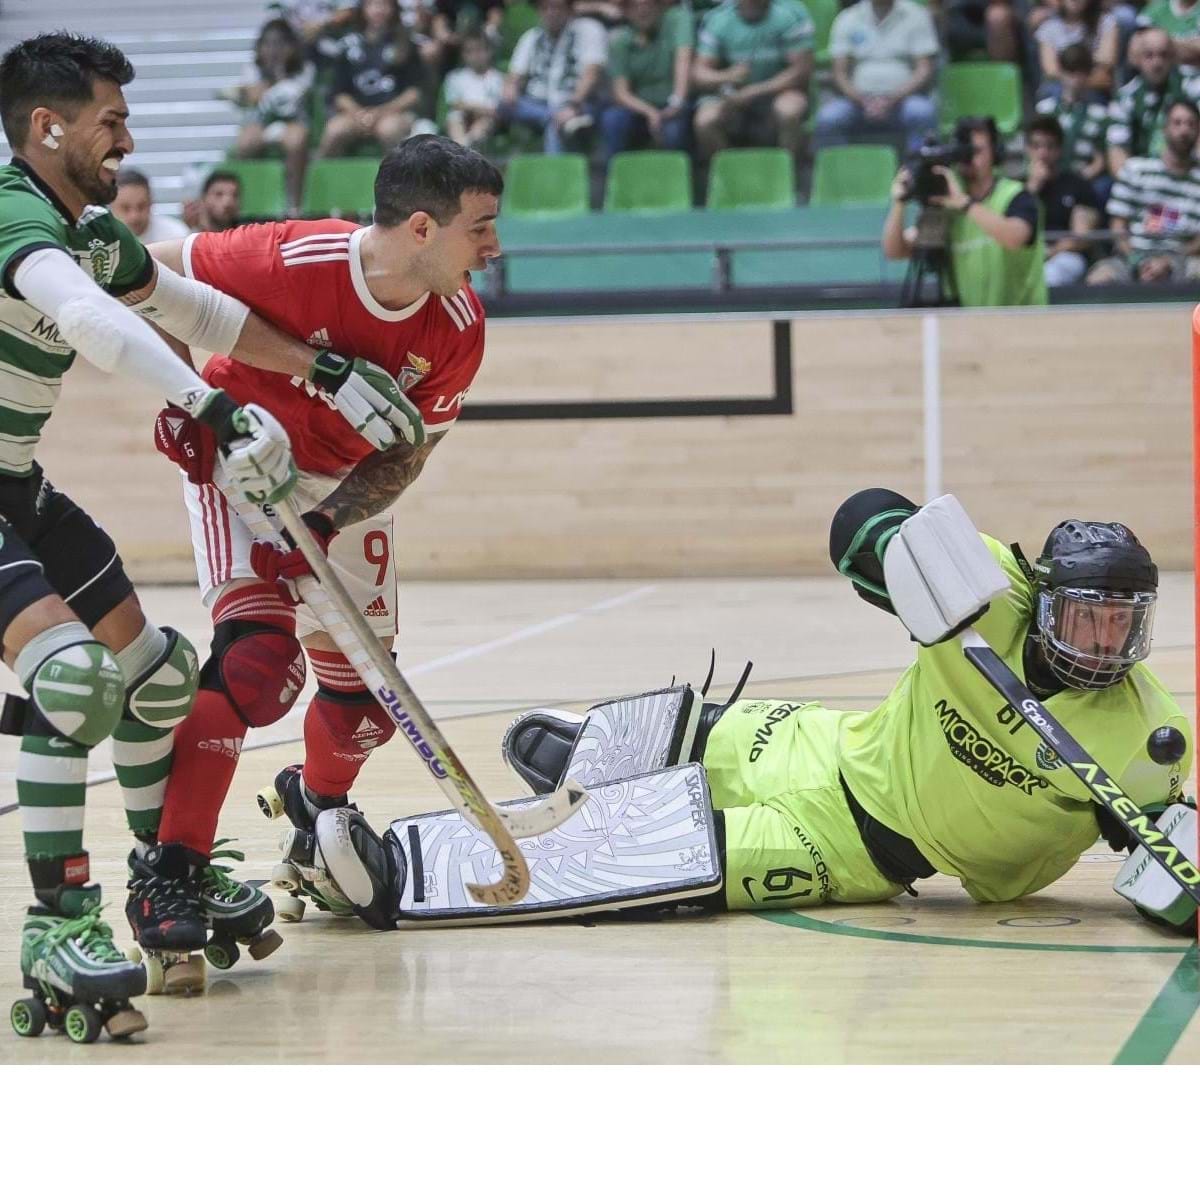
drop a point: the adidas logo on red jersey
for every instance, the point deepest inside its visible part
(228, 747)
(320, 337)
(377, 608)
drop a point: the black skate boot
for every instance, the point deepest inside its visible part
(80, 981)
(237, 912)
(300, 876)
(166, 914)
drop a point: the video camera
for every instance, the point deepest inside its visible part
(926, 182)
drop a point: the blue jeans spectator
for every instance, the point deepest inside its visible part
(838, 118)
(621, 128)
(539, 115)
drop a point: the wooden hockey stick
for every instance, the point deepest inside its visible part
(326, 595)
(1104, 790)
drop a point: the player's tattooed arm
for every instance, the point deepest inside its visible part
(374, 485)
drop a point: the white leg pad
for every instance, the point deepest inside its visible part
(1146, 883)
(648, 840)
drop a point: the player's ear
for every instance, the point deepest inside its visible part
(421, 226)
(45, 127)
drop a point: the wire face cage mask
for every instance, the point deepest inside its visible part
(1090, 638)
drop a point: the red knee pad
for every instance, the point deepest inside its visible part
(256, 660)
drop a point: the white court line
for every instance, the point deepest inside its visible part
(529, 631)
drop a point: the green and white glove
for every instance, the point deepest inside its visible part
(253, 447)
(369, 399)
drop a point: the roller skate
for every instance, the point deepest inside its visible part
(301, 876)
(80, 982)
(166, 913)
(238, 913)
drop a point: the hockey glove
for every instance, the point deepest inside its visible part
(281, 566)
(254, 449)
(369, 399)
(187, 443)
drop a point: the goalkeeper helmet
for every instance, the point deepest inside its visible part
(1096, 592)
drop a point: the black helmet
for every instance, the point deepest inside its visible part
(1097, 587)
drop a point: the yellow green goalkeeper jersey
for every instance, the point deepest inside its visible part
(947, 762)
(33, 355)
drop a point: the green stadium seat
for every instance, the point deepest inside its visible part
(263, 191)
(823, 13)
(752, 179)
(853, 175)
(546, 185)
(649, 181)
(518, 18)
(340, 186)
(982, 90)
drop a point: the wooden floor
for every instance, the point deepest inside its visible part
(1068, 976)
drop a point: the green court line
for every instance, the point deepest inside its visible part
(800, 921)
(1163, 1023)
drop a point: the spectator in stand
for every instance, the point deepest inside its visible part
(1069, 202)
(473, 93)
(1083, 120)
(555, 75)
(219, 205)
(650, 65)
(884, 52)
(992, 26)
(135, 206)
(379, 83)
(1154, 209)
(1079, 21)
(753, 62)
(275, 102)
(320, 25)
(1135, 117)
(1181, 22)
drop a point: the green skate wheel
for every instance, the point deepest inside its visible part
(82, 1024)
(270, 802)
(222, 954)
(28, 1017)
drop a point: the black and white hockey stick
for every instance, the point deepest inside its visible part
(326, 595)
(1093, 776)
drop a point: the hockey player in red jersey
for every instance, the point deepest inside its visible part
(396, 293)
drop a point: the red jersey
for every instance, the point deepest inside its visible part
(306, 278)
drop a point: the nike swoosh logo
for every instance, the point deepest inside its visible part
(747, 880)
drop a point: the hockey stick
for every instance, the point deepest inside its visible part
(1104, 790)
(326, 595)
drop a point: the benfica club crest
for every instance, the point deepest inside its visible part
(412, 374)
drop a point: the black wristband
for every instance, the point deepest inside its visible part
(320, 523)
(331, 370)
(218, 416)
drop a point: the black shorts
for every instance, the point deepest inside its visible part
(51, 547)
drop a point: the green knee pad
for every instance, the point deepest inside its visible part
(164, 693)
(74, 682)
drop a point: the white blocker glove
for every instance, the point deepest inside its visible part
(940, 575)
(257, 455)
(369, 399)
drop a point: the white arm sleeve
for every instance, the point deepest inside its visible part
(194, 312)
(102, 329)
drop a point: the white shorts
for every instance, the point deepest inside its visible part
(361, 554)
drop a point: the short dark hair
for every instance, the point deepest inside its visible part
(219, 176)
(128, 177)
(429, 173)
(1051, 126)
(1074, 59)
(54, 70)
(1183, 101)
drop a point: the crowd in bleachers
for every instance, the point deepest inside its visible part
(590, 80)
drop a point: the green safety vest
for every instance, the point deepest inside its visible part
(987, 275)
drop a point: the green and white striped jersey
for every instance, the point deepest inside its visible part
(1084, 126)
(1163, 210)
(33, 356)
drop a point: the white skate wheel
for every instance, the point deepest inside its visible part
(154, 975)
(285, 877)
(270, 802)
(289, 909)
(134, 953)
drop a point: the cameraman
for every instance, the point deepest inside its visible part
(994, 226)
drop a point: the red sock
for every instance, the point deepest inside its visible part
(208, 742)
(344, 723)
(207, 746)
